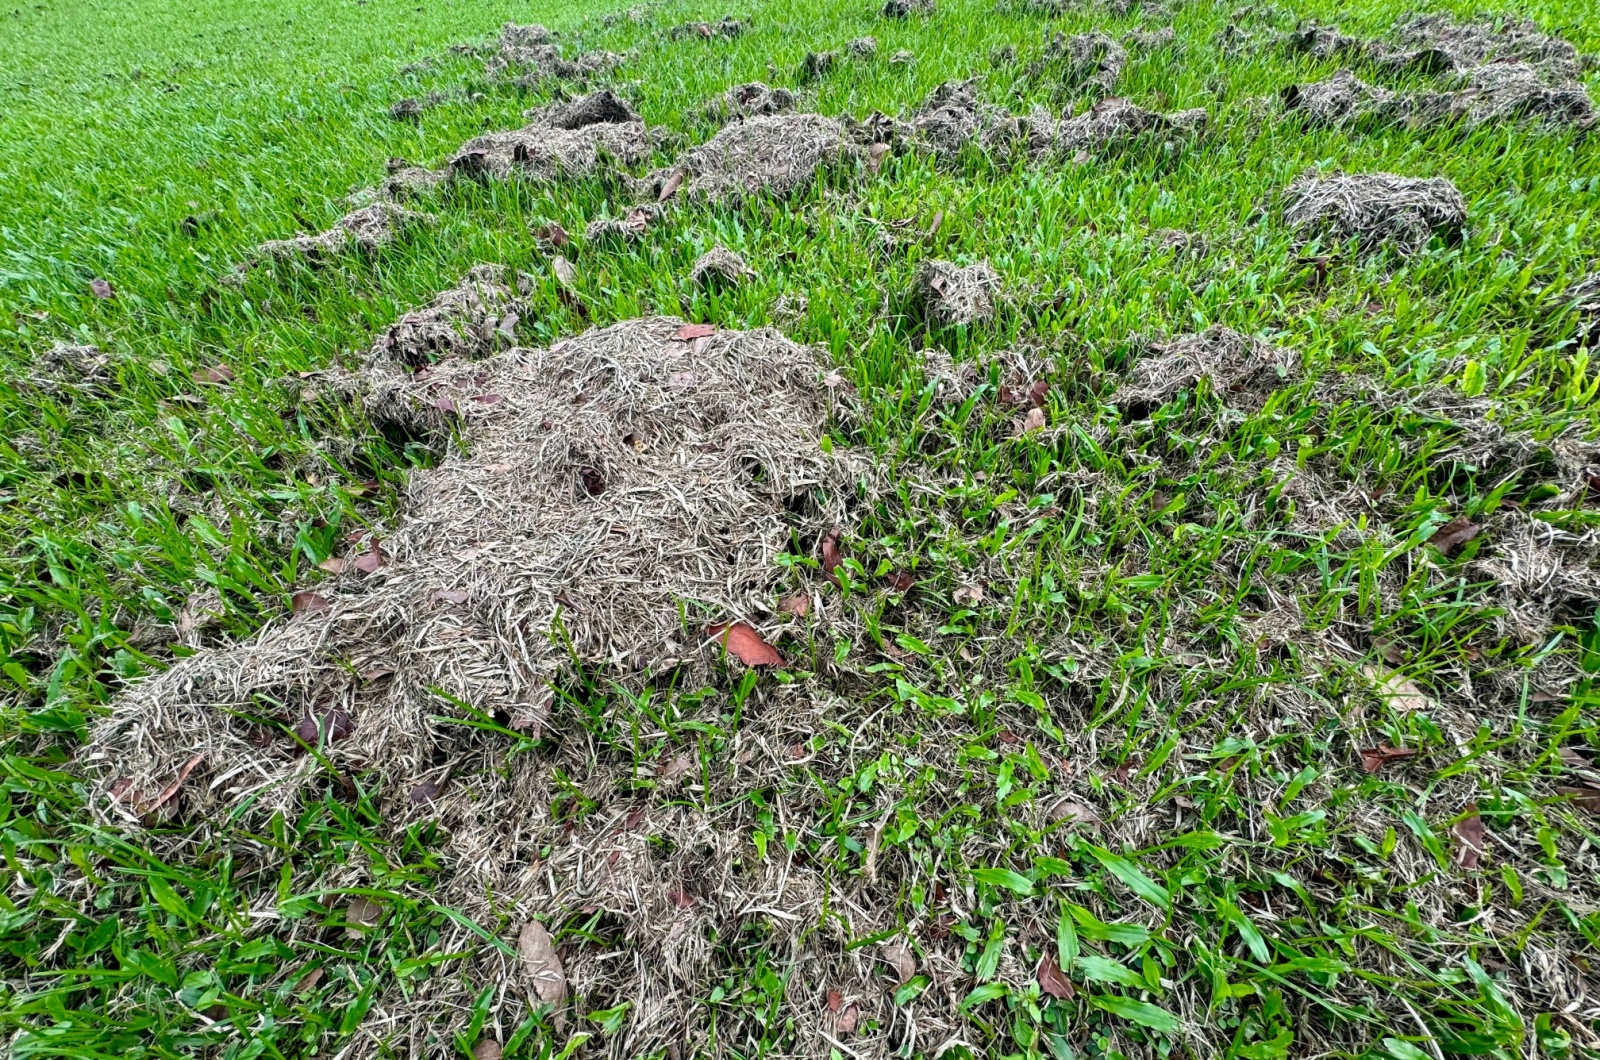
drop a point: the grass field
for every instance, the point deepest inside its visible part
(1144, 709)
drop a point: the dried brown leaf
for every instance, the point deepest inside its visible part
(1399, 691)
(166, 793)
(899, 581)
(1586, 797)
(831, 556)
(849, 1016)
(1453, 535)
(594, 483)
(798, 605)
(900, 957)
(360, 914)
(670, 187)
(303, 602)
(1052, 980)
(426, 791)
(566, 273)
(1470, 831)
(933, 227)
(451, 596)
(742, 641)
(445, 404)
(217, 374)
(694, 331)
(488, 399)
(336, 723)
(835, 1001)
(334, 564)
(369, 561)
(875, 156)
(101, 289)
(553, 234)
(1033, 421)
(543, 966)
(1375, 758)
(1073, 812)
(487, 1049)
(968, 595)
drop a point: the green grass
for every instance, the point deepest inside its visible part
(1131, 562)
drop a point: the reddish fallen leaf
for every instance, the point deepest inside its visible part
(1033, 421)
(681, 897)
(797, 750)
(1007, 736)
(120, 787)
(166, 793)
(835, 1001)
(694, 331)
(1453, 535)
(635, 817)
(1470, 831)
(846, 1024)
(1585, 797)
(798, 605)
(101, 289)
(742, 641)
(451, 596)
(1375, 758)
(1052, 980)
(831, 558)
(900, 581)
(369, 562)
(307, 601)
(1038, 393)
(337, 724)
(309, 983)
(594, 483)
(671, 186)
(218, 374)
(488, 399)
(445, 404)
(334, 564)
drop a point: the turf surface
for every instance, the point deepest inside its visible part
(1211, 645)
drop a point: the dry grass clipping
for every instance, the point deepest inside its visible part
(719, 265)
(768, 154)
(954, 295)
(564, 140)
(1243, 371)
(748, 100)
(1493, 93)
(365, 229)
(467, 321)
(624, 490)
(1375, 209)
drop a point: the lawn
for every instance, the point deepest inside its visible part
(998, 658)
